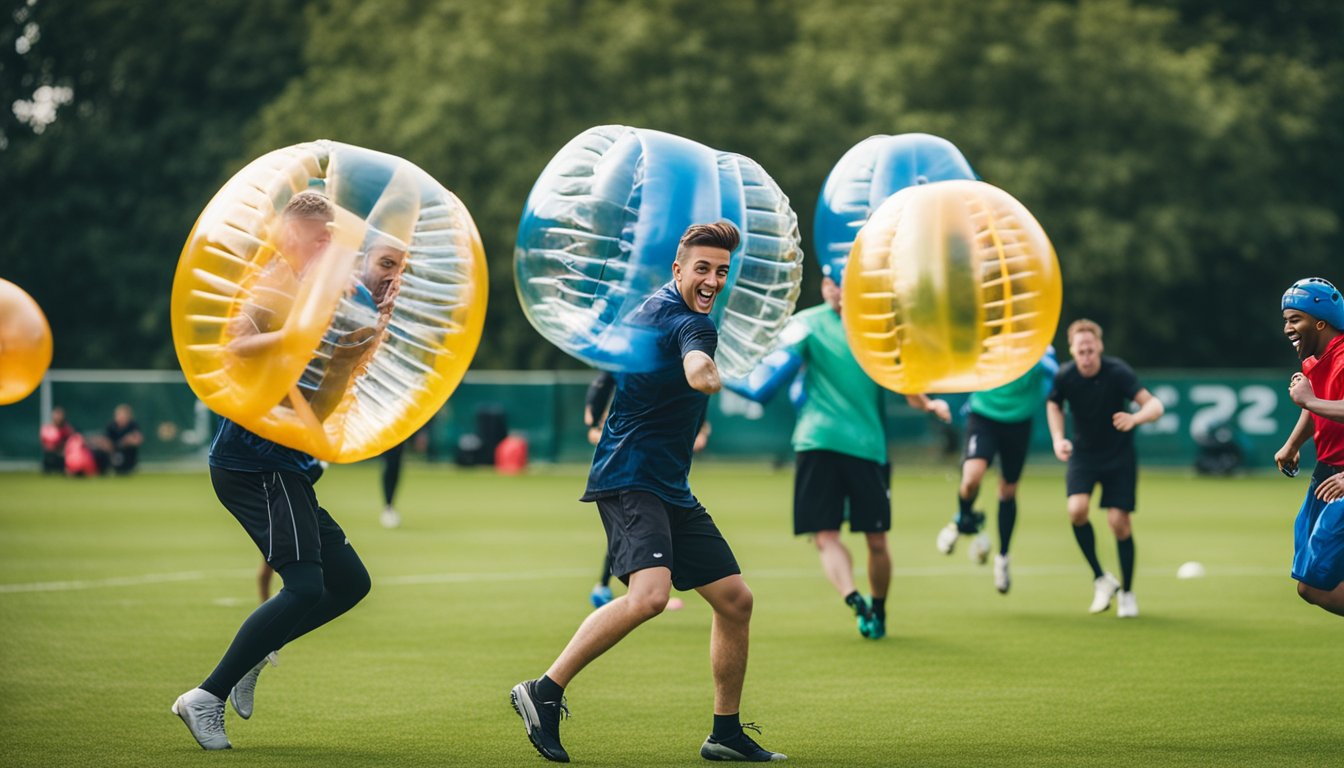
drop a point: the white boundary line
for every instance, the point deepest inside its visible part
(512, 576)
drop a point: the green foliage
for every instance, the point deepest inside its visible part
(1180, 153)
(100, 202)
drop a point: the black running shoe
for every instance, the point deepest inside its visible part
(541, 719)
(972, 524)
(739, 748)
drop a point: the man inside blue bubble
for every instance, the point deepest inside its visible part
(659, 536)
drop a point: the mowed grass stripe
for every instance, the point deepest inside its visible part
(489, 577)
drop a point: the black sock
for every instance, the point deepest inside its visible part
(268, 626)
(727, 726)
(854, 600)
(964, 508)
(1087, 542)
(548, 689)
(1007, 519)
(1126, 548)
(880, 608)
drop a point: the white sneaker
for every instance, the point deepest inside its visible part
(1001, 579)
(979, 549)
(1127, 607)
(947, 538)
(241, 695)
(1105, 587)
(389, 518)
(203, 712)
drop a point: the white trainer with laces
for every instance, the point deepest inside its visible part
(1001, 578)
(1127, 607)
(1105, 586)
(390, 518)
(203, 712)
(947, 538)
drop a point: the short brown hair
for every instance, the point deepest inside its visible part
(720, 234)
(1082, 325)
(310, 204)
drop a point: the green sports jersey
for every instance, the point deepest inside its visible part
(843, 410)
(1019, 399)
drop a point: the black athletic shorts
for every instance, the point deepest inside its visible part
(279, 511)
(822, 483)
(643, 531)
(986, 437)
(1118, 475)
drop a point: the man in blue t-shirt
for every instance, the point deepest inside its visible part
(658, 534)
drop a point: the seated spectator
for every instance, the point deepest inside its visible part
(123, 440)
(54, 437)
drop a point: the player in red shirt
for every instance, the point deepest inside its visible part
(1313, 320)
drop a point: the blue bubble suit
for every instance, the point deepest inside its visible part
(599, 234)
(870, 172)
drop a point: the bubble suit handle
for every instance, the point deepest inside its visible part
(345, 340)
(600, 230)
(25, 343)
(950, 287)
(865, 176)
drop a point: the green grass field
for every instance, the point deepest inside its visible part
(118, 594)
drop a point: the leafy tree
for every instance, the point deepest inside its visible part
(102, 199)
(1170, 189)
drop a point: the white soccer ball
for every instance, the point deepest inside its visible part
(1190, 570)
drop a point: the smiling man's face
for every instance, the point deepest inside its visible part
(700, 275)
(1301, 330)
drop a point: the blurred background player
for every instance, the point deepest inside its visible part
(1098, 391)
(53, 436)
(595, 403)
(1313, 320)
(118, 448)
(391, 477)
(840, 445)
(999, 422)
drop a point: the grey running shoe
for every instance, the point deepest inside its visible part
(541, 719)
(203, 712)
(245, 689)
(739, 748)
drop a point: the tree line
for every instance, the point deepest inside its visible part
(1183, 155)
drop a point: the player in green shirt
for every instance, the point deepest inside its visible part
(841, 448)
(999, 422)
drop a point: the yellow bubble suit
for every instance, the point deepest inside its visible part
(950, 287)
(330, 299)
(25, 343)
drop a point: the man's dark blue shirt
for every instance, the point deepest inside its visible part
(237, 449)
(649, 436)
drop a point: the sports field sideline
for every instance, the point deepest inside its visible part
(118, 594)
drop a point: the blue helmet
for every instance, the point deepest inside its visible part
(1315, 296)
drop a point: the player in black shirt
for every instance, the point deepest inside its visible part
(1098, 391)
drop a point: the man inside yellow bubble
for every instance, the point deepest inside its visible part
(305, 234)
(268, 487)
